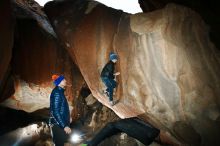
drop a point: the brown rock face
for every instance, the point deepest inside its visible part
(85, 37)
(36, 58)
(169, 68)
(37, 55)
(6, 44)
(34, 61)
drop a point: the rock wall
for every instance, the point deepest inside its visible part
(6, 44)
(37, 55)
(208, 10)
(169, 68)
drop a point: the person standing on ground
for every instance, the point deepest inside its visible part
(59, 112)
(108, 76)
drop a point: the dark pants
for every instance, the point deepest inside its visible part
(110, 84)
(59, 136)
(133, 127)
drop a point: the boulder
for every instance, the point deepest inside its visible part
(169, 67)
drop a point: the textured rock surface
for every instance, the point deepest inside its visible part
(209, 11)
(169, 68)
(88, 32)
(35, 59)
(36, 56)
(6, 44)
(32, 10)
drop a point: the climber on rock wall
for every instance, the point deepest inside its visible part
(108, 77)
(59, 112)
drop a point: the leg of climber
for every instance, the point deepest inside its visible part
(135, 128)
(138, 129)
(113, 85)
(110, 84)
(106, 91)
(106, 132)
(132, 127)
(111, 96)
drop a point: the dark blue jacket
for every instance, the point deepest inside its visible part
(108, 70)
(59, 109)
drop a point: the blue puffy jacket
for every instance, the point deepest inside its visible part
(59, 109)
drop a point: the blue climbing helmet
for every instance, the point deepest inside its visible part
(113, 56)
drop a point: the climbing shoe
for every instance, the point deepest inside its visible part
(106, 93)
(112, 103)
